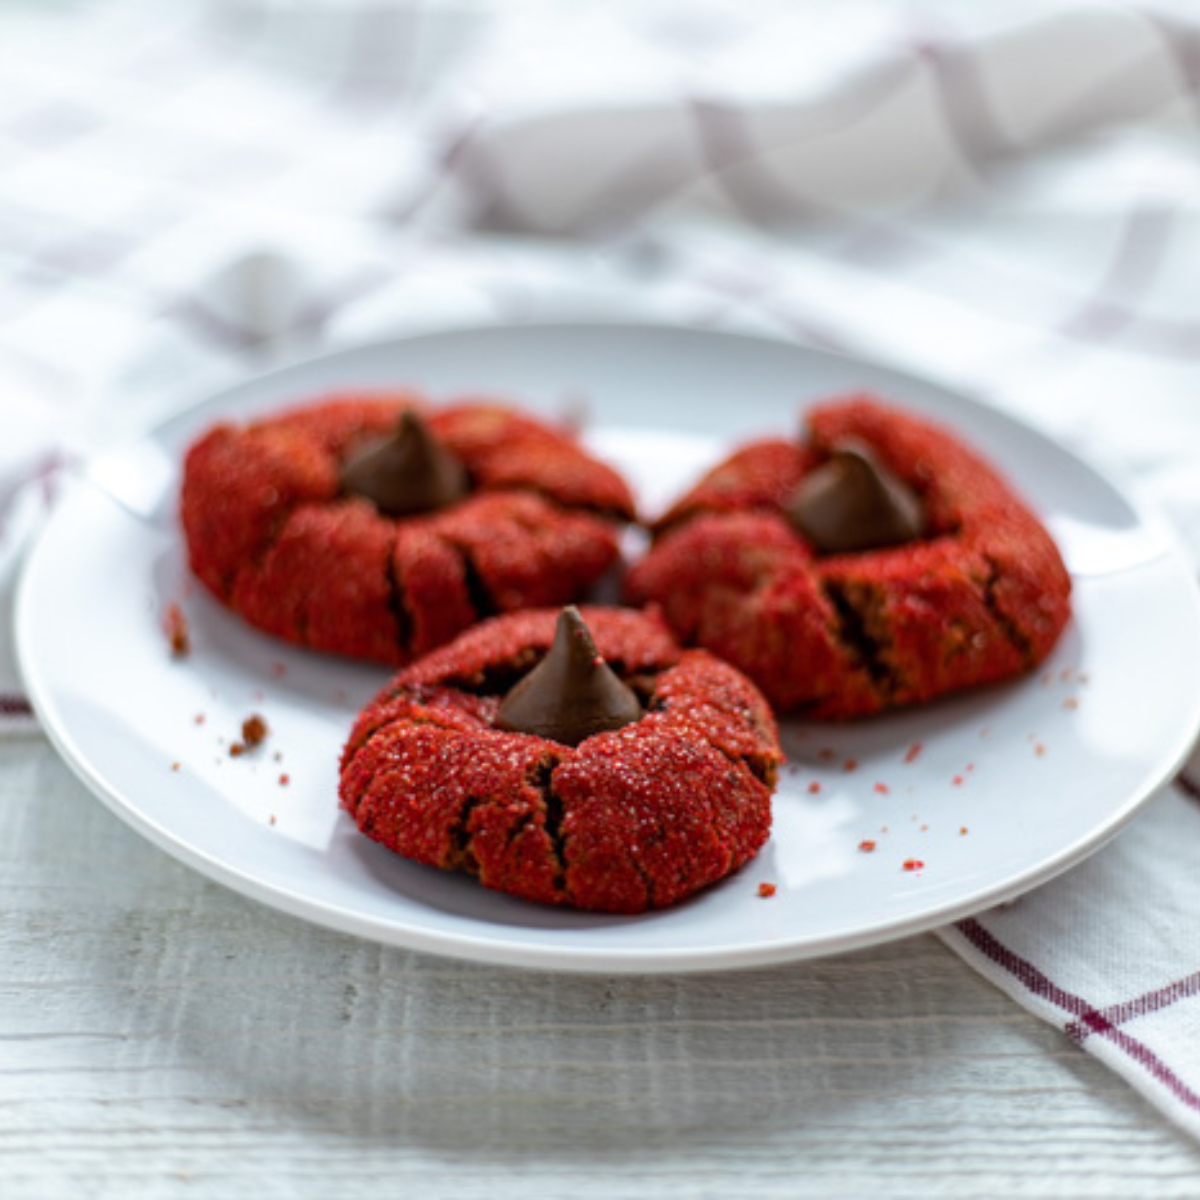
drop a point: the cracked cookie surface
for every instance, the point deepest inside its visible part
(272, 532)
(981, 596)
(629, 820)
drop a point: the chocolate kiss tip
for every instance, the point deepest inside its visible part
(407, 471)
(854, 502)
(572, 693)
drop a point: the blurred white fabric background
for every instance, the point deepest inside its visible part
(1003, 195)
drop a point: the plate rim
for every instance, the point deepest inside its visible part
(497, 950)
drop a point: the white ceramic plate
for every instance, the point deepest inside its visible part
(992, 792)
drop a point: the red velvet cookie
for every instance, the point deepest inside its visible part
(975, 594)
(629, 819)
(275, 530)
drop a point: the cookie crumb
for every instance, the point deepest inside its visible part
(175, 626)
(254, 732)
(272, 820)
(766, 890)
(962, 831)
(1070, 703)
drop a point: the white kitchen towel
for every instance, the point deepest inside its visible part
(1004, 196)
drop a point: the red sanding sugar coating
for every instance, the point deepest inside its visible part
(982, 596)
(272, 534)
(629, 820)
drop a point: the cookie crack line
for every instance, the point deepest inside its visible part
(552, 819)
(761, 767)
(645, 876)
(398, 603)
(461, 853)
(1016, 635)
(479, 595)
(853, 634)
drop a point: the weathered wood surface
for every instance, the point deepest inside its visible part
(161, 1037)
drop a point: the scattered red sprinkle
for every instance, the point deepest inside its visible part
(174, 766)
(882, 788)
(272, 818)
(970, 767)
(279, 669)
(866, 846)
(913, 864)
(814, 788)
(962, 831)
(176, 628)
(284, 780)
(914, 752)
(237, 750)
(851, 764)
(826, 753)
(1039, 749)
(958, 779)
(200, 718)
(766, 890)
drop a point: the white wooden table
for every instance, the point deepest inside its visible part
(162, 1037)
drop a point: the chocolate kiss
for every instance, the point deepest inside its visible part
(572, 693)
(408, 471)
(853, 502)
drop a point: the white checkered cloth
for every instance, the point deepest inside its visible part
(1004, 196)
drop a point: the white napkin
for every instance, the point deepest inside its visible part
(1004, 196)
